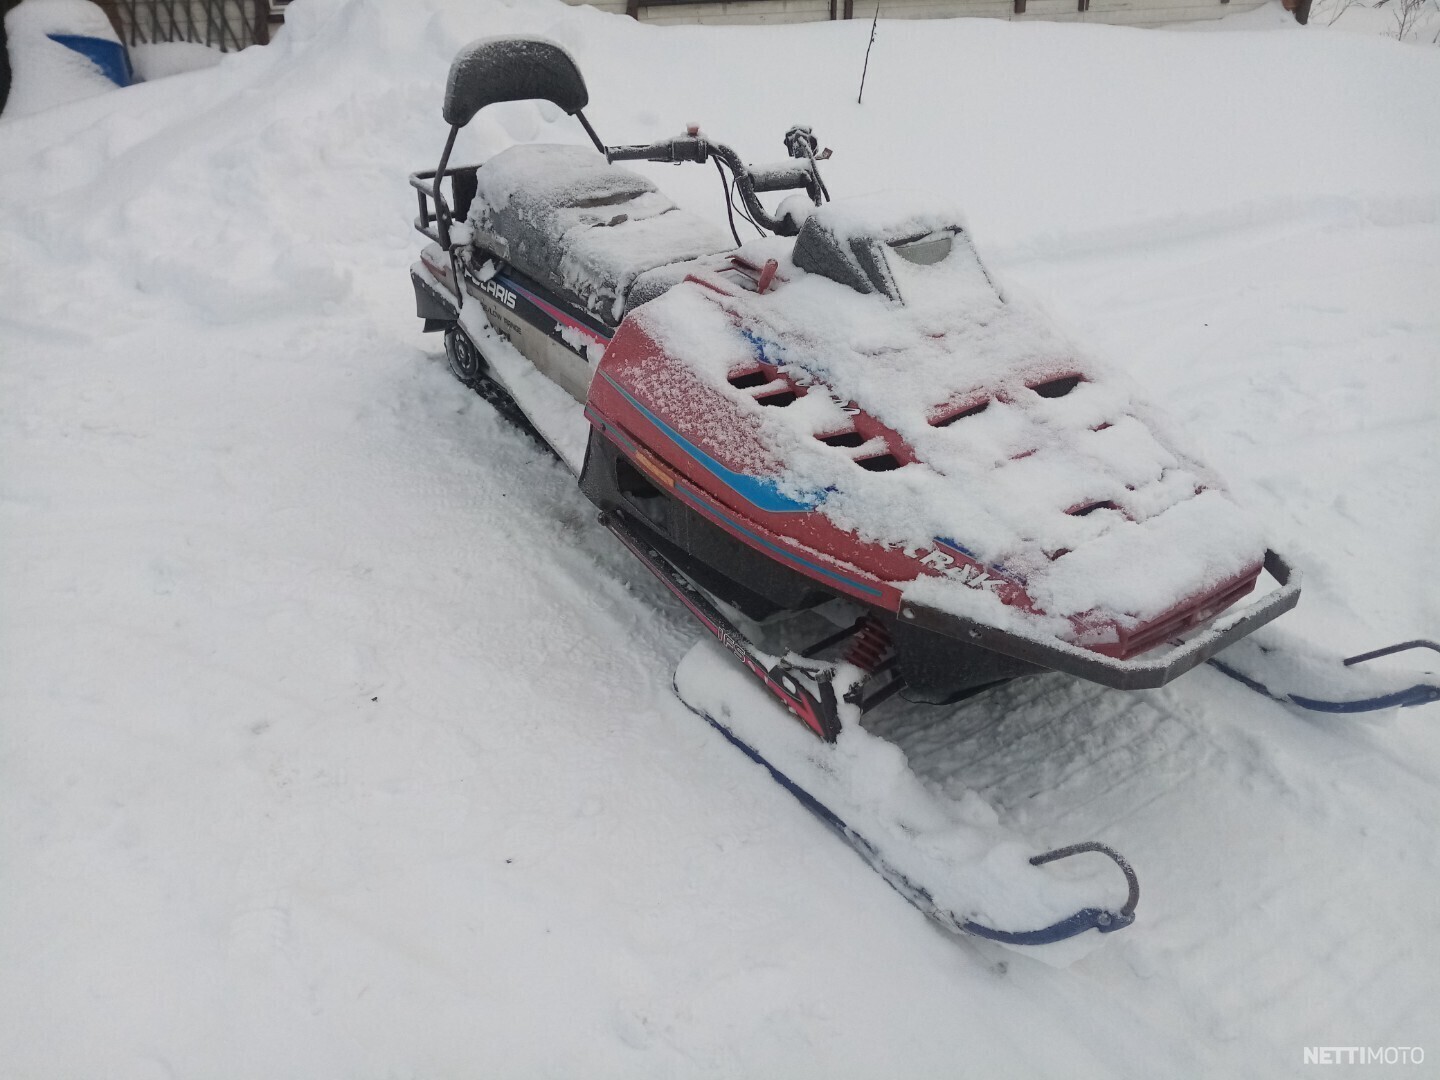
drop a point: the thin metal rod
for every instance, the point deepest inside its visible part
(838, 636)
(1389, 649)
(885, 693)
(442, 208)
(590, 131)
(873, 24)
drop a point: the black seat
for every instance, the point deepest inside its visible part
(566, 217)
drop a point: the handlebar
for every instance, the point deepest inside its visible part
(693, 147)
(680, 148)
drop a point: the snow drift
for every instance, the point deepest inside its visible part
(48, 42)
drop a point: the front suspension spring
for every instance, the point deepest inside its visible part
(871, 643)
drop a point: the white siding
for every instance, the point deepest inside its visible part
(1125, 12)
(739, 11)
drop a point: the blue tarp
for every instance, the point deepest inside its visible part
(109, 56)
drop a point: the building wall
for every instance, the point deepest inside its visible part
(1125, 12)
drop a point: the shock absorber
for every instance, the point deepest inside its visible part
(871, 643)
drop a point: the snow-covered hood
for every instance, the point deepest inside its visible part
(1042, 466)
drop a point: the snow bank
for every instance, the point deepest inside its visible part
(162, 59)
(44, 72)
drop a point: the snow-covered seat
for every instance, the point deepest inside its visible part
(567, 217)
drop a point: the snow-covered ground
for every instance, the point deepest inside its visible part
(336, 740)
(1407, 20)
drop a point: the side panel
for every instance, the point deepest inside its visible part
(619, 475)
(681, 451)
(563, 344)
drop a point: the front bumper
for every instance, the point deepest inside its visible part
(1145, 672)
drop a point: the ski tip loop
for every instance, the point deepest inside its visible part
(1419, 694)
(1404, 646)
(1085, 919)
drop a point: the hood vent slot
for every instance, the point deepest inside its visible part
(1090, 508)
(843, 438)
(780, 398)
(973, 410)
(758, 377)
(879, 463)
(1058, 387)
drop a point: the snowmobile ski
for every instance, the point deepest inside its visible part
(811, 696)
(1090, 918)
(1256, 668)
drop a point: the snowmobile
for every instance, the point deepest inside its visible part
(840, 428)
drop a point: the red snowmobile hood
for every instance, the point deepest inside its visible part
(947, 425)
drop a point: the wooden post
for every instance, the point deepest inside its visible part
(112, 12)
(262, 22)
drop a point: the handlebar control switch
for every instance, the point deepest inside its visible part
(800, 141)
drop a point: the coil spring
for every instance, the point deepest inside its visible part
(872, 642)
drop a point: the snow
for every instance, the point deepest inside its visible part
(161, 59)
(1419, 22)
(338, 741)
(594, 226)
(886, 216)
(45, 73)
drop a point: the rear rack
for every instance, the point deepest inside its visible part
(435, 209)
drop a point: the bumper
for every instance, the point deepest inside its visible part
(1137, 673)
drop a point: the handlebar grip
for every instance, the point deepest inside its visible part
(782, 176)
(672, 151)
(654, 152)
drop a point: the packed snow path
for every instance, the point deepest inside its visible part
(336, 740)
